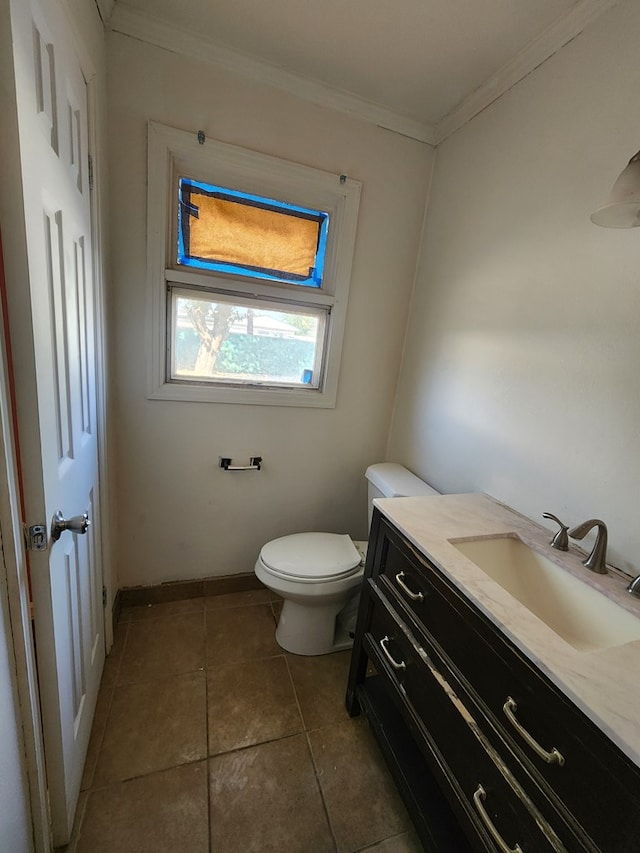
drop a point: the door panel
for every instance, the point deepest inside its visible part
(62, 442)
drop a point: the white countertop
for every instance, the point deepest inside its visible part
(605, 683)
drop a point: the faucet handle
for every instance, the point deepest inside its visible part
(560, 541)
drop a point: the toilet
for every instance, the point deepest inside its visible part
(319, 574)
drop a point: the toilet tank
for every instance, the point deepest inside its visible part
(390, 480)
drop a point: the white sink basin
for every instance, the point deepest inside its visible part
(579, 614)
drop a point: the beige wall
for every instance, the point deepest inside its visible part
(178, 514)
(520, 376)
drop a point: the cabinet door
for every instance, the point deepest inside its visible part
(496, 810)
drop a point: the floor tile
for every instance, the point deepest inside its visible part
(240, 633)
(405, 843)
(153, 725)
(166, 608)
(157, 648)
(276, 608)
(161, 813)
(363, 804)
(321, 684)
(145, 779)
(265, 799)
(237, 599)
(250, 703)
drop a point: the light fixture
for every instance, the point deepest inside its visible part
(622, 209)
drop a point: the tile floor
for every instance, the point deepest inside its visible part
(209, 739)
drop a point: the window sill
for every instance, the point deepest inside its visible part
(194, 393)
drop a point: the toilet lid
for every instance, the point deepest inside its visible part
(311, 556)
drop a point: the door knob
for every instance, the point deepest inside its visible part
(77, 524)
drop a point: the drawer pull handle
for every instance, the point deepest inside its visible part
(394, 663)
(414, 596)
(553, 757)
(478, 801)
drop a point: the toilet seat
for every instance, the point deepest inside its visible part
(311, 557)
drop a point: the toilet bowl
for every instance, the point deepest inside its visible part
(319, 574)
(316, 574)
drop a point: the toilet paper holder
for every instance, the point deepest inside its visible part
(255, 463)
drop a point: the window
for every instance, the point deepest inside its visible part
(249, 262)
(234, 340)
(230, 231)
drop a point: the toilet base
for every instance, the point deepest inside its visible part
(305, 629)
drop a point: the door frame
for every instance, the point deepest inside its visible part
(14, 567)
(16, 274)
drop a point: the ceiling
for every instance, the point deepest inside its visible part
(431, 64)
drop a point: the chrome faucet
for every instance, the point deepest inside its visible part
(634, 586)
(596, 561)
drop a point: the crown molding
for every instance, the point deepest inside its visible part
(128, 21)
(150, 29)
(550, 41)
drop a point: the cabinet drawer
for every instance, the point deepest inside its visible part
(487, 793)
(561, 748)
(495, 673)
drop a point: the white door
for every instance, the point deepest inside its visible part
(57, 421)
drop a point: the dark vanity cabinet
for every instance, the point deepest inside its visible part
(486, 752)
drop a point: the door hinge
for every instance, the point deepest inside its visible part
(35, 537)
(104, 596)
(90, 158)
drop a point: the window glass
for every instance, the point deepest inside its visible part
(245, 341)
(230, 231)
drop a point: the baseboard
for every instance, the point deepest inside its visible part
(135, 596)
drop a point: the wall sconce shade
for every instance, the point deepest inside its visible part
(622, 208)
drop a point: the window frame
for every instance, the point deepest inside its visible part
(172, 154)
